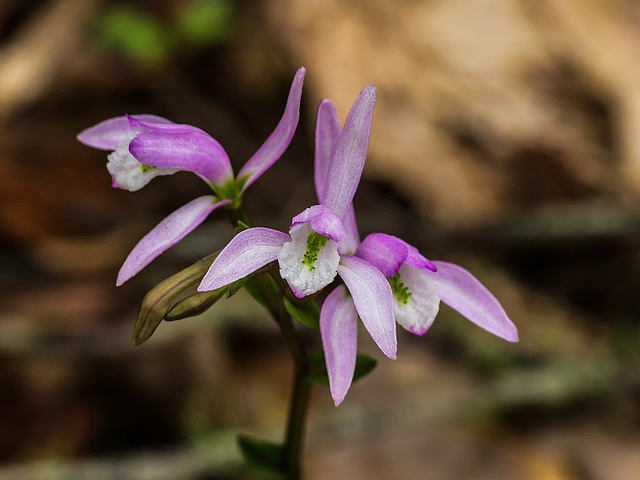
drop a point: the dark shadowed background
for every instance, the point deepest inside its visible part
(506, 139)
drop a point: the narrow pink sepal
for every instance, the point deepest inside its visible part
(327, 133)
(274, 146)
(350, 153)
(244, 254)
(373, 299)
(322, 221)
(339, 333)
(107, 134)
(166, 234)
(351, 240)
(465, 294)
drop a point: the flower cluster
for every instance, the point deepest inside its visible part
(383, 280)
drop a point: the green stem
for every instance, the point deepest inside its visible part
(271, 297)
(272, 292)
(238, 215)
(299, 400)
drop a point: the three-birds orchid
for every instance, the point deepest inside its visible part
(384, 279)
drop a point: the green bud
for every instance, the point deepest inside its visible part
(163, 297)
(194, 304)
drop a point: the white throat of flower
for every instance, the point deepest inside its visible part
(127, 172)
(309, 262)
(415, 298)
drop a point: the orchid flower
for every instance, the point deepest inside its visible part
(312, 254)
(417, 284)
(146, 146)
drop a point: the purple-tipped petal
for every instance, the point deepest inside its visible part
(464, 293)
(339, 333)
(373, 299)
(244, 254)
(273, 148)
(188, 148)
(416, 259)
(350, 153)
(107, 134)
(385, 252)
(322, 220)
(389, 253)
(327, 133)
(166, 234)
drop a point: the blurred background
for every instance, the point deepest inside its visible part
(506, 139)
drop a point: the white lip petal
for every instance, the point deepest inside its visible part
(308, 268)
(417, 311)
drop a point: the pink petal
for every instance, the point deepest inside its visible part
(107, 134)
(464, 293)
(166, 234)
(183, 147)
(339, 333)
(373, 299)
(385, 252)
(244, 254)
(322, 221)
(416, 259)
(350, 153)
(273, 148)
(327, 133)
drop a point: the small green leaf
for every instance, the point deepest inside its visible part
(364, 366)
(262, 455)
(161, 298)
(262, 288)
(318, 367)
(307, 313)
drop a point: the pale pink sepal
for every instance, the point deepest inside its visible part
(351, 240)
(327, 133)
(107, 134)
(274, 146)
(166, 234)
(244, 254)
(373, 299)
(350, 153)
(465, 294)
(339, 333)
